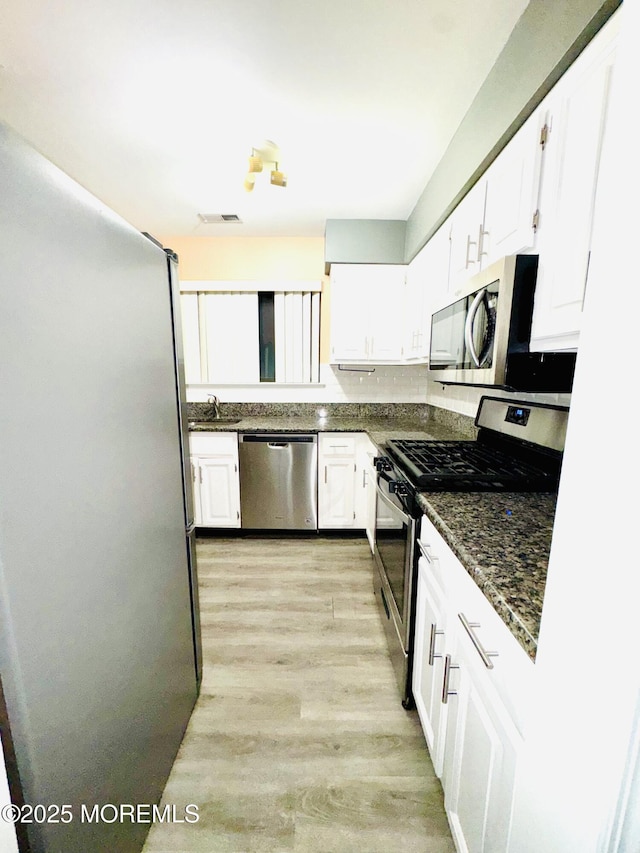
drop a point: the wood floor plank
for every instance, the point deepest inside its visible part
(298, 742)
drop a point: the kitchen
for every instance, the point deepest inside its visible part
(568, 653)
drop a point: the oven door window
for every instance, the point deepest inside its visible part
(392, 542)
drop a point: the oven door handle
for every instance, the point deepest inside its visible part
(392, 505)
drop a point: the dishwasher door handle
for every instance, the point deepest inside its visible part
(277, 445)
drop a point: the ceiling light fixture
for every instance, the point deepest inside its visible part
(267, 154)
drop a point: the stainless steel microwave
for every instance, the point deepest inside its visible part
(483, 337)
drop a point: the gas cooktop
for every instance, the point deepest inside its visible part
(519, 448)
(468, 465)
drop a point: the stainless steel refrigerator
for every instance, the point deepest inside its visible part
(99, 637)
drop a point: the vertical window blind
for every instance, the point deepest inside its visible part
(243, 337)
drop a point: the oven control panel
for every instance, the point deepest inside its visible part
(539, 424)
(517, 415)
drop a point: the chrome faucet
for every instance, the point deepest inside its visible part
(216, 405)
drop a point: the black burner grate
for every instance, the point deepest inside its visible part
(468, 465)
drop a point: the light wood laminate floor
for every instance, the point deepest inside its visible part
(298, 741)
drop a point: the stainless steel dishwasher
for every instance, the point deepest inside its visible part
(278, 481)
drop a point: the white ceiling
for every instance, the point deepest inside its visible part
(154, 105)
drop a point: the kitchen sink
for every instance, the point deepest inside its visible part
(213, 423)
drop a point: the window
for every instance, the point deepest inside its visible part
(238, 337)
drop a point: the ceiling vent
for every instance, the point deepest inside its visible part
(214, 218)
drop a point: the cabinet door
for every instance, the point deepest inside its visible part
(466, 235)
(417, 317)
(219, 491)
(367, 312)
(385, 311)
(481, 749)
(370, 506)
(428, 665)
(349, 313)
(195, 485)
(336, 492)
(366, 488)
(513, 183)
(576, 119)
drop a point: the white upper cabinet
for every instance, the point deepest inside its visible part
(512, 194)
(575, 114)
(427, 284)
(538, 196)
(467, 226)
(367, 313)
(498, 217)
(427, 291)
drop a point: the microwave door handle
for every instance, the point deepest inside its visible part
(468, 325)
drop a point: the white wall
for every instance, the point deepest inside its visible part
(583, 715)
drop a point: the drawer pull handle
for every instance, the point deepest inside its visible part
(448, 666)
(432, 643)
(424, 551)
(484, 654)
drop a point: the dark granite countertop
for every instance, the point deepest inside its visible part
(379, 430)
(503, 541)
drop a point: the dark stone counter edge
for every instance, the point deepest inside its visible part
(487, 587)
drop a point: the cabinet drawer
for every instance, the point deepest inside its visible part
(337, 443)
(213, 443)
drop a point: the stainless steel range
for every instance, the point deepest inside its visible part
(519, 448)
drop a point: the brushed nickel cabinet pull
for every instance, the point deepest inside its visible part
(484, 654)
(481, 235)
(424, 551)
(432, 643)
(448, 666)
(470, 243)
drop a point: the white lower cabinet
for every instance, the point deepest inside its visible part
(428, 665)
(481, 748)
(470, 683)
(216, 482)
(367, 454)
(336, 480)
(344, 480)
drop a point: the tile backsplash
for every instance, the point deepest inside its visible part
(464, 399)
(358, 384)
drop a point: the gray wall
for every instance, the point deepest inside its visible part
(546, 40)
(358, 241)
